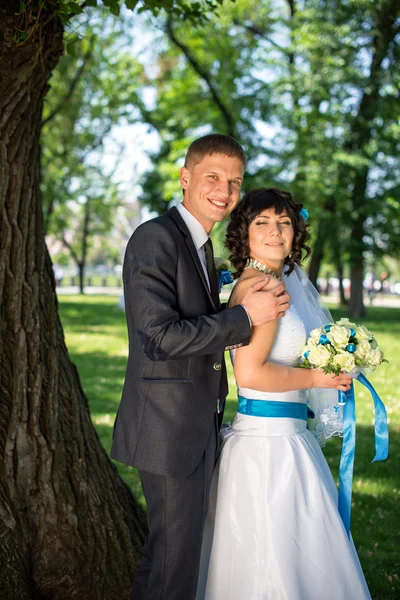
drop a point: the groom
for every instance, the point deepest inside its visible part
(175, 384)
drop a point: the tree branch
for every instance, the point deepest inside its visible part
(73, 253)
(231, 130)
(251, 28)
(72, 86)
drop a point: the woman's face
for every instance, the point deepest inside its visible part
(271, 237)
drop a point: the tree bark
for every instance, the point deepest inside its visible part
(69, 527)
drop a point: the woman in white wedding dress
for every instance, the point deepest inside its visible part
(273, 531)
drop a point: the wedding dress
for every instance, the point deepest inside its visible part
(273, 531)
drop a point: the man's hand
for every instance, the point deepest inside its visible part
(264, 305)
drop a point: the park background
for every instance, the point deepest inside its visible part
(99, 103)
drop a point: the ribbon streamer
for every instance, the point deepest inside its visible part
(349, 444)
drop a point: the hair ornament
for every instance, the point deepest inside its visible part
(304, 213)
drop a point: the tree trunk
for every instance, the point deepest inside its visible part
(69, 527)
(342, 295)
(338, 260)
(81, 270)
(85, 238)
(356, 305)
(316, 258)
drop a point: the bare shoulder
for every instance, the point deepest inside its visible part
(245, 281)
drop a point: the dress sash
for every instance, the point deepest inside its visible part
(272, 408)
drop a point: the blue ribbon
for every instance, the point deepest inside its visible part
(224, 277)
(351, 348)
(324, 339)
(272, 408)
(349, 444)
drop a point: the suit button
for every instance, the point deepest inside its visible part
(217, 366)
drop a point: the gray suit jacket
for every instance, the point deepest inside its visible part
(177, 336)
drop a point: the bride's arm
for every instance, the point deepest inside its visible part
(253, 370)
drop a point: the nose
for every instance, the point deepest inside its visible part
(275, 229)
(224, 189)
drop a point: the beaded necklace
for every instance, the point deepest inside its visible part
(255, 264)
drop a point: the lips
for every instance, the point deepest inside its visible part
(273, 244)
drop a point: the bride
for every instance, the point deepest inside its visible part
(273, 531)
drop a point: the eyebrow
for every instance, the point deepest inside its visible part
(281, 216)
(217, 173)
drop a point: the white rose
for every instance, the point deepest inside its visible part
(319, 356)
(346, 323)
(362, 351)
(346, 361)
(362, 333)
(374, 343)
(339, 336)
(315, 334)
(375, 358)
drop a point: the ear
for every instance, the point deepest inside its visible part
(184, 177)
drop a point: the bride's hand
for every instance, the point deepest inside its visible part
(340, 382)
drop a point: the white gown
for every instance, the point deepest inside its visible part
(273, 531)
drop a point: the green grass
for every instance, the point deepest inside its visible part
(96, 337)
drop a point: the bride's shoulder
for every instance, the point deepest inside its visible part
(246, 280)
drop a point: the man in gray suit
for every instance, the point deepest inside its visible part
(175, 385)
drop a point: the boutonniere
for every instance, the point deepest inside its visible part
(224, 274)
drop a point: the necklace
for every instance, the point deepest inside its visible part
(255, 264)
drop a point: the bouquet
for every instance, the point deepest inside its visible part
(341, 346)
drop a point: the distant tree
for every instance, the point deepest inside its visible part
(94, 88)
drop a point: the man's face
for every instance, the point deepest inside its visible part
(212, 188)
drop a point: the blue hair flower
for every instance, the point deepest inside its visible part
(304, 213)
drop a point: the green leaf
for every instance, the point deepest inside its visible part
(73, 8)
(113, 5)
(131, 4)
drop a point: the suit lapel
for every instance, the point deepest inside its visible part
(180, 223)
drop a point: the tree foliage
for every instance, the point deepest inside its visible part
(94, 88)
(311, 91)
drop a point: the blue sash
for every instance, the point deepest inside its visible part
(270, 408)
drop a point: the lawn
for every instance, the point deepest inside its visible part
(96, 337)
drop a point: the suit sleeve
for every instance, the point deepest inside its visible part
(150, 269)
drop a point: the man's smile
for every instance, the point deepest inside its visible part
(218, 203)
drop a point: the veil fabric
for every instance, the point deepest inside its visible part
(328, 420)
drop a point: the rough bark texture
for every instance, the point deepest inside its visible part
(69, 527)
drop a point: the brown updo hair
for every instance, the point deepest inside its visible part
(253, 204)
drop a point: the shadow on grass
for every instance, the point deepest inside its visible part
(78, 314)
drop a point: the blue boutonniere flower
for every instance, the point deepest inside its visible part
(224, 275)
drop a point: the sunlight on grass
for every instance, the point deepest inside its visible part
(97, 342)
